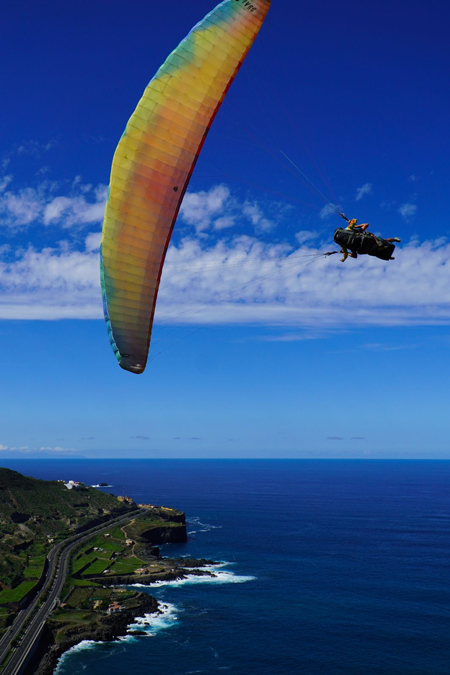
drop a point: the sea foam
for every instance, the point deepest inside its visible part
(220, 577)
(84, 645)
(154, 623)
(151, 624)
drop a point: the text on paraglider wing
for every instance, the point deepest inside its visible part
(247, 5)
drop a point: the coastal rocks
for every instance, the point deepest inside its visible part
(146, 551)
(165, 535)
(109, 628)
(171, 515)
(174, 574)
(193, 562)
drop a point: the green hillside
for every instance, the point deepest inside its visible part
(34, 514)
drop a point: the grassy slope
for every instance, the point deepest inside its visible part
(32, 512)
(47, 501)
(47, 508)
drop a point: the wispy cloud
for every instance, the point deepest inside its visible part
(92, 241)
(334, 438)
(225, 279)
(216, 209)
(27, 450)
(243, 281)
(141, 438)
(20, 209)
(34, 148)
(290, 337)
(4, 182)
(77, 210)
(329, 210)
(51, 284)
(366, 189)
(408, 210)
(306, 235)
(40, 205)
(254, 213)
(202, 209)
(381, 347)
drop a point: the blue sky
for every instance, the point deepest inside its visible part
(259, 349)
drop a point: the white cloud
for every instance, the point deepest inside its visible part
(57, 448)
(217, 210)
(291, 337)
(70, 211)
(51, 284)
(27, 450)
(34, 148)
(244, 281)
(252, 211)
(200, 209)
(92, 241)
(361, 192)
(56, 209)
(233, 280)
(31, 206)
(223, 223)
(21, 208)
(408, 210)
(328, 210)
(306, 235)
(4, 182)
(380, 347)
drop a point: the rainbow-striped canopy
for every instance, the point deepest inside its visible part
(153, 163)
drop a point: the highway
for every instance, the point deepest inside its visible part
(56, 576)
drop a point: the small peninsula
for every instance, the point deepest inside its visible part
(37, 519)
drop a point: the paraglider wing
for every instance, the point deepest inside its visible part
(153, 163)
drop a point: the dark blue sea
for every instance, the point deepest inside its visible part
(330, 567)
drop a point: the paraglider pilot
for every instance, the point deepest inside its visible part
(357, 239)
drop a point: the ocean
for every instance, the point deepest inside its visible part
(328, 567)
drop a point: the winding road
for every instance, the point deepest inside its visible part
(54, 582)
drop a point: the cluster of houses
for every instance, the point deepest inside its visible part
(115, 607)
(73, 485)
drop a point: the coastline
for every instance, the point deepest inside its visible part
(49, 652)
(117, 625)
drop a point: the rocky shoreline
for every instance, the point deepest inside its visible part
(180, 568)
(113, 626)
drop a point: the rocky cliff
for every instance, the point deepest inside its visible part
(108, 628)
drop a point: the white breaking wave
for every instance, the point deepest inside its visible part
(222, 577)
(154, 623)
(151, 624)
(205, 527)
(82, 646)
